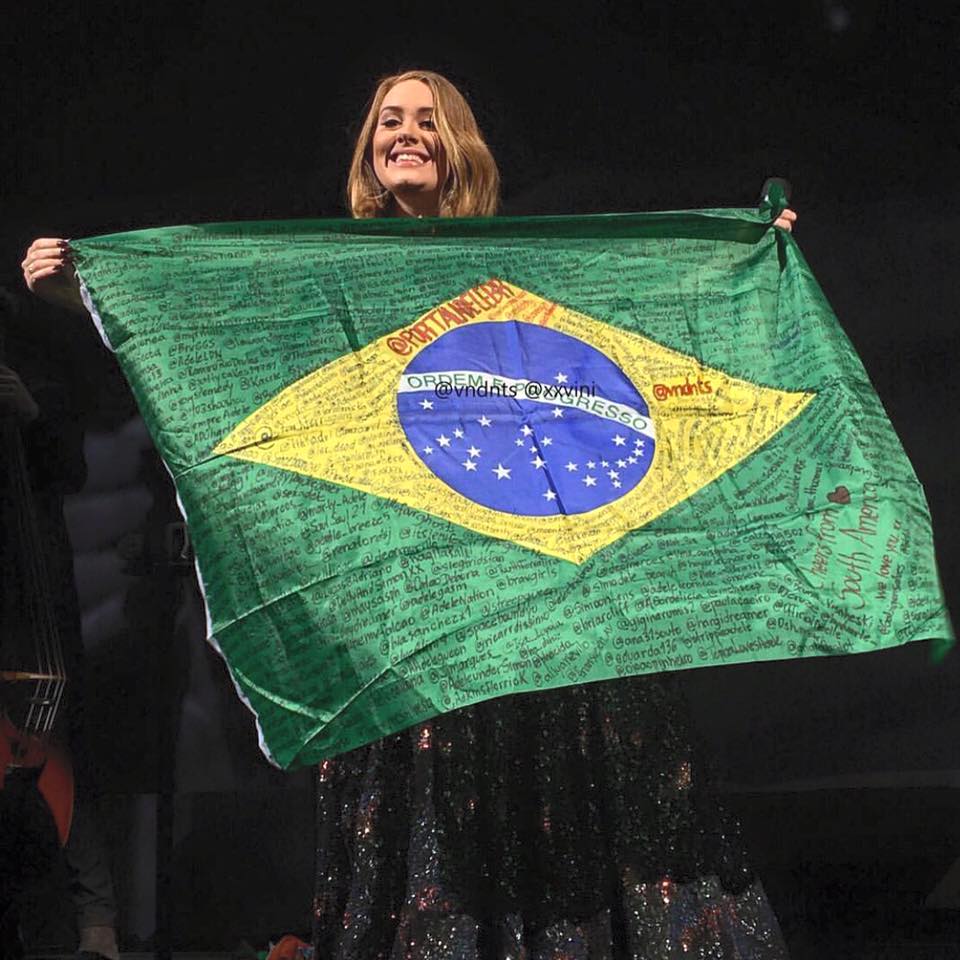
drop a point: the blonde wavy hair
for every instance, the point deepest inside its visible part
(472, 186)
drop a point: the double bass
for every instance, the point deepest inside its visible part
(32, 673)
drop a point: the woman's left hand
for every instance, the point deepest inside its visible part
(786, 220)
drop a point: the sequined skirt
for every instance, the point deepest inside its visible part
(573, 824)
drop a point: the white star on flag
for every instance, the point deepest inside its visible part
(458, 433)
(619, 441)
(561, 378)
(426, 404)
(538, 463)
(470, 465)
(526, 430)
(501, 471)
(546, 441)
(484, 421)
(571, 467)
(474, 452)
(443, 440)
(550, 495)
(428, 450)
(557, 412)
(590, 481)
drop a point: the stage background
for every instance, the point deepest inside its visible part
(120, 116)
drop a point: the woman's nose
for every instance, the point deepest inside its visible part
(408, 131)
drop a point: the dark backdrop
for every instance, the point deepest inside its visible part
(119, 115)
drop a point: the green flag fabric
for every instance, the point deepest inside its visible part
(426, 463)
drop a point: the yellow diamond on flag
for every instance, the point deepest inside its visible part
(520, 419)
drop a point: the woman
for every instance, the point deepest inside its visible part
(566, 824)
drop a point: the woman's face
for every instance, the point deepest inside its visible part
(408, 157)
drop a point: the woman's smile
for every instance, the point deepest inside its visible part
(407, 158)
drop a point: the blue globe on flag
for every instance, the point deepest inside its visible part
(525, 420)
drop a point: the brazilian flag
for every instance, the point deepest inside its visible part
(426, 463)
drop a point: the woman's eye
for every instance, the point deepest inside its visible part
(389, 121)
(427, 125)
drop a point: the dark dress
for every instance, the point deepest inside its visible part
(572, 824)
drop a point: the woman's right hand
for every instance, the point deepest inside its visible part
(48, 272)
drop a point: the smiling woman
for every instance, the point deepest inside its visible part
(570, 823)
(421, 154)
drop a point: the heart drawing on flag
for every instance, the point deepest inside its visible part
(841, 495)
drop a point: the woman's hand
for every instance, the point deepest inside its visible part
(786, 220)
(48, 272)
